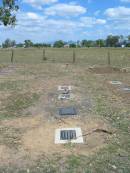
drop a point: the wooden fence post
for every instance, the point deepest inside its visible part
(44, 55)
(12, 56)
(74, 56)
(108, 58)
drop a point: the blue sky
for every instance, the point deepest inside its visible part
(50, 20)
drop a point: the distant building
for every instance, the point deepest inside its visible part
(66, 46)
(122, 45)
(52, 44)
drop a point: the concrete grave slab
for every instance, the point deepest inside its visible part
(115, 82)
(126, 89)
(64, 97)
(66, 135)
(64, 88)
(67, 111)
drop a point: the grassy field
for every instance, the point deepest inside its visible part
(90, 56)
(28, 115)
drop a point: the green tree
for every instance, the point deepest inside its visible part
(128, 37)
(87, 43)
(13, 43)
(112, 41)
(19, 45)
(8, 43)
(84, 43)
(78, 44)
(100, 43)
(28, 43)
(59, 44)
(72, 45)
(7, 8)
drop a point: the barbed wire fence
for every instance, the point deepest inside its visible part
(89, 56)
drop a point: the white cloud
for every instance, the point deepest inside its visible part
(65, 10)
(118, 12)
(90, 21)
(33, 20)
(39, 3)
(32, 16)
(96, 13)
(118, 19)
(126, 1)
(100, 21)
(34, 26)
(32, 23)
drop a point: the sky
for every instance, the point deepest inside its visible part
(51, 20)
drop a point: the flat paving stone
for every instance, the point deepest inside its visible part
(67, 111)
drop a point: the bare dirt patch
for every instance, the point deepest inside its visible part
(4, 154)
(106, 69)
(41, 139)
(119, 92)
(7, 69)
(11, 132)
(22, 123)
(36, 137)
(27, 139)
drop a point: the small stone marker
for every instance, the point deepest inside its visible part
(126, 89)
(67, 111)
(64, 88)
(66, 135)
(64, 97)
(64, 92)
(115, 82)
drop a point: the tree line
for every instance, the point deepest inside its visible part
(110, 41)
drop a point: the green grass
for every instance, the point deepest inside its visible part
(90, 56)
(2, 66)
(16, 103)
(5, 56)
(12, 85)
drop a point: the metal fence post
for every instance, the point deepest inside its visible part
(108, 58)
(12, 56)
(74, 56)
(44, 55)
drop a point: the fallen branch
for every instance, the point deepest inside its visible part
(98, 130)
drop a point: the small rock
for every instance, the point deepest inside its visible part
(28, 171)
(114, 167)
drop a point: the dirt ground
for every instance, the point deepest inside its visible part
(107, 69)
(28, 130)
(39, 134)
(118, 90)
